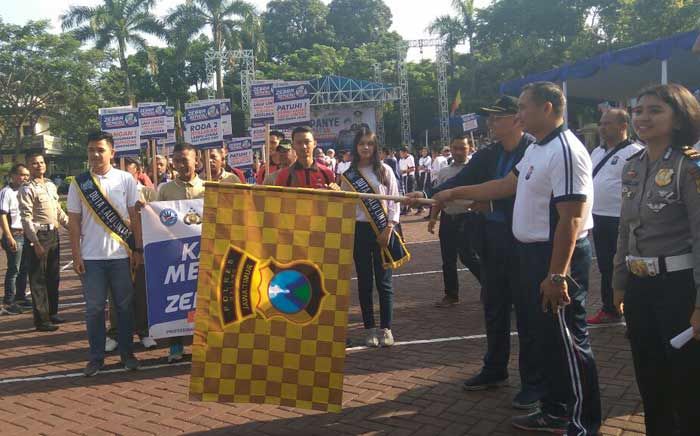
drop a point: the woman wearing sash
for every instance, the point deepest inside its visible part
(374, 235)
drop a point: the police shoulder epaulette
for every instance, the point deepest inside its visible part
(636, 154)
(690, 152)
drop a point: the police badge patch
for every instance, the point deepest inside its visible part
(664, 177)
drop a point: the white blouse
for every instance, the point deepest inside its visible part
(392, 208)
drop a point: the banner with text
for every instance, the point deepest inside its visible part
(338, 127)
(292, 103)
(152, 120)
(240, 155)
(171, 235)
(123, 124)
(203, 124)
(226, 126)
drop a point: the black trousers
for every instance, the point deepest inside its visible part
(605, 239)
(368, 264)
(456, 242)
(562, 343)
(44, 276)
(500, 279)
(657, 309)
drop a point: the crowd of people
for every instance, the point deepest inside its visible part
(520, 213)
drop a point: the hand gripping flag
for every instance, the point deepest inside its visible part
(272, 296)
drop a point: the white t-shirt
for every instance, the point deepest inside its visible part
(556, 169)
(607, 183)
(342, 167)
(426, 162)
(405, 163)
(438, 163)
(332, 162)
(392, 208)
(10, 206)
(95, 243)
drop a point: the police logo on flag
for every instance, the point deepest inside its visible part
(293, 291)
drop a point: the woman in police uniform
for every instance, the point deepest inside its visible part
(657, 265)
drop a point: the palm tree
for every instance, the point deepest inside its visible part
(225, 18)
(456, 29)
(120, 22)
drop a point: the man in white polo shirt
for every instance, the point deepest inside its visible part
(104, 231)
(608, 160)
(553, 190)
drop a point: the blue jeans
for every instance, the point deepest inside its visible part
(16, 274)
(101, 275)
(368, 264)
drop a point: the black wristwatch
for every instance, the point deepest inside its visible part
(557, 279)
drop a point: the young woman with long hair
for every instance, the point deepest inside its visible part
(370, 238)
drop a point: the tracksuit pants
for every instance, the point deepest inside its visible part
(563, 343)
(605, 239)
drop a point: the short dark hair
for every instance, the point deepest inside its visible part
(301, 129)
(547, 92)
(100, 135)
(183, 146)
(277, 133)
(404, 149)
(16, 167)
(387, 150)
(686, 110)
(132, 161)
(34, 154)
(460, 138)
(621, 115)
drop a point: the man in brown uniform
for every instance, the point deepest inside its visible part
(41, 215)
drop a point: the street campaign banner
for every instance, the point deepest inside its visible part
(239, 153)
(226, 126)
(272, 297)
(123, 124)
(171, 235)
(203, 124)
(262, 102)
(469, 122)
(170, 138)
(152, 121)
(292, 103)
(338, 127)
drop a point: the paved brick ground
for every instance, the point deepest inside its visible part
(408, 389)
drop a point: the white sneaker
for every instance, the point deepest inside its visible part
(110, 345)
(372, 339)
(148, 342)
(386, 339)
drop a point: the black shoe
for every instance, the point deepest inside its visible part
(48, 327)
(526, 400)
(482, 382)
(92, 368)
(130, 362)
(57, 319)
(11, 309)
(24, 304)
(540, 421)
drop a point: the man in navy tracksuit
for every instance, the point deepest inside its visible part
(553, 190)
(499, 260)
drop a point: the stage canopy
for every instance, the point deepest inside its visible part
(619, 75)
(335, 90)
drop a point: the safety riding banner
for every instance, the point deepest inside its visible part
(203, 124)
(123, 123)
(171, 234)
(272, 296)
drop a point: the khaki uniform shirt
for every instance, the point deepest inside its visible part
(227, 177)
(660, 213)
(38, 204)
(179, 190)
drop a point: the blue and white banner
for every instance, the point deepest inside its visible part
(262, 102)
(170, 125)
(292, 103)
(226, 126)
(171, 236)
(123, 124)
(203, 124)
(239, 153)
(152, 120)
(469, 122)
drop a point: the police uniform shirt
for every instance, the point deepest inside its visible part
(226, 177)
(119, 187)
(38, 204)
(9, 205)
(607, 183)
(557, 168)
(660, 211)
(180, 190)
(316, 176)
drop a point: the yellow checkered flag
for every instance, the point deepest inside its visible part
(272, 296)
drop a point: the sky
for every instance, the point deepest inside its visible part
(410, 17)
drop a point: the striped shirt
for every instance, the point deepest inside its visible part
(557, 168)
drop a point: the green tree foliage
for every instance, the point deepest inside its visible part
(225, 18)
(120, 22)
(45, 75)
(358, 22)
(290, 25)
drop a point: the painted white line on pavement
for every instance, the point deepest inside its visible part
(81, 303)
(420, 273)
(165, 365)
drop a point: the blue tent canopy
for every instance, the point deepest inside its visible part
(334, 90)
(619, 75)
